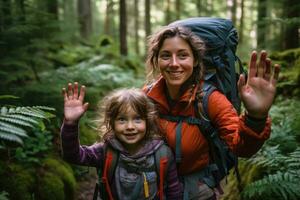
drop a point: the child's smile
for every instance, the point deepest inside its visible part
(130, 129)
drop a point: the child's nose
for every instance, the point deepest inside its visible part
(130, 125)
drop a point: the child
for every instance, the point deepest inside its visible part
(131, 130)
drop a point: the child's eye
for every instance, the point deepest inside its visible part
(138, 119)
(120, 119)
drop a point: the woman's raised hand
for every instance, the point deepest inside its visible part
(259, 91)
(74, 107)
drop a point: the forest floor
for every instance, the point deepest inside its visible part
(86, 186)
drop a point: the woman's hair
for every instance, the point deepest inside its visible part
(118, 101)
(156, 41)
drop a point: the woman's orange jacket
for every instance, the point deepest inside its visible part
(231, 127)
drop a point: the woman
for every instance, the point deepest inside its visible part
(176, 74)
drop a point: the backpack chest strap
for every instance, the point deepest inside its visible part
(179, 119)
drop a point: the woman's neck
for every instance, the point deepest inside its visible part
(173, 92)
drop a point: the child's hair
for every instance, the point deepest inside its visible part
(118, 101)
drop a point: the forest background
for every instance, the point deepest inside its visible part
(44, 44)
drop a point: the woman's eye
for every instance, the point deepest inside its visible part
(164, 56)
(183, 56)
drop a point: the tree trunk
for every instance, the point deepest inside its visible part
(108, 17)
(199, 7)
(123, 28)
(52, 6)
(178, 8)
(85, 18)
(261, 25)
(291, 33)
(168, 12)
(136, 26)
(5, 14)
(241, 27)
(233, 11)
(20, 11)
(147, 18)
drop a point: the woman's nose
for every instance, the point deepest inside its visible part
(174, 61)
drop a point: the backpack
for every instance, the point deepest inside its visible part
(221, 40)
(106, 174)
(221, 74)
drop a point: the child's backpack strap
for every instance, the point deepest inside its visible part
(162, 155)
(106, 173)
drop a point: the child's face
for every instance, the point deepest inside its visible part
(130, 129)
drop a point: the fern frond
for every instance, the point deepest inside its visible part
(23, 118)
(16, 121)
(44, 108)
(8, 97)
(10, 137)
(4, 127)
(13, 119)
(293, 160)
(280, 185)
(30, 112)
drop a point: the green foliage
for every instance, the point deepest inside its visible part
(64, 172)
(14, 120)
(4, 195)
(35, 147)
(50, 187)
(17, 181)
(279, 157)
(284, 184)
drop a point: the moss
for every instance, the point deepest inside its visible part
(50, 187)
(248, 173)
(17, 181)
(88, 135)
(65, 174)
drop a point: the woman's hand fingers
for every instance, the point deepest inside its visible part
(262, 64)
(252, 66)
(275, 74)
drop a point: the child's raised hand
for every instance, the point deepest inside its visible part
(74, 107)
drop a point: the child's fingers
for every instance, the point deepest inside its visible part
(75, 93)
(64, 92)
(70, 91)
(85, 106)
(82, 93)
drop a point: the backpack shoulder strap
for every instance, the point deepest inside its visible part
(162, 155)
(106, 172)
(201, 102)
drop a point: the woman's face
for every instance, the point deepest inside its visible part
(176, 62)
